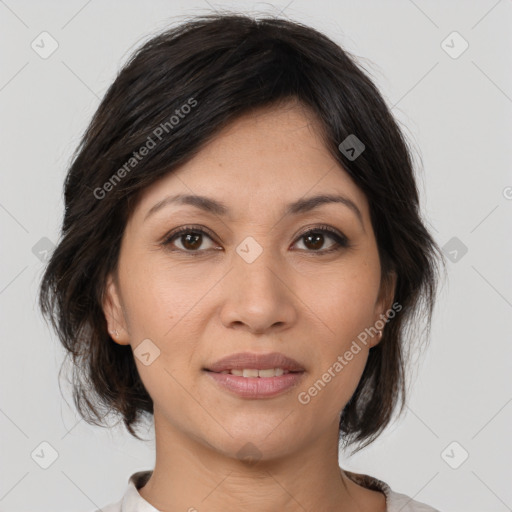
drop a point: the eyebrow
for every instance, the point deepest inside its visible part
(210, 205)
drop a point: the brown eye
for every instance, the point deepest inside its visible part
(190, 239)
(314, 240)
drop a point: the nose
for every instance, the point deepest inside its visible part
(259, 295)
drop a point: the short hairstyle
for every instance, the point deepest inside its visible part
(174, 95)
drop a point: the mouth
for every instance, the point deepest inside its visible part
(256, 376)
(254, 383)
(253, 372)
(250, 364)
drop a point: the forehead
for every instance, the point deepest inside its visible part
(260, 161)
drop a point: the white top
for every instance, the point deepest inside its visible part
(132, 501)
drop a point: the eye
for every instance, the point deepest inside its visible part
(191, 239)
(315, 238)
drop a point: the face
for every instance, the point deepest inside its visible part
(254, 278)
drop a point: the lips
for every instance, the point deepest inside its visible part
(249, 360)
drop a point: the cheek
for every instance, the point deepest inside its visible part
(173, 398)
(345, 301)
(342, 359)
(163, 307)
(159, 298)
(343, 304)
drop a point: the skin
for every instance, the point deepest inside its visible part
(291, 299)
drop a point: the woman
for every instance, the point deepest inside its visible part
(241, 253)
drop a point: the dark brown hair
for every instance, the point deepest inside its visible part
(222, 66)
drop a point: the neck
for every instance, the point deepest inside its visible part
(192, 476)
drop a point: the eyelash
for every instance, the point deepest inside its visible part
(341, 241)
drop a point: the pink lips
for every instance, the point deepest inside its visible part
(256, 361)
(256, 387)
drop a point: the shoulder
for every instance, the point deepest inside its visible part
(401, 502)
(131, 499)
(395, 501)
(113, 507)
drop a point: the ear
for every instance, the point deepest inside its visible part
(384, 302)
(114, 313)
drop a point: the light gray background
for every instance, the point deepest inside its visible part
(457, 114)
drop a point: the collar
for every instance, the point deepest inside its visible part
(133, 502)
